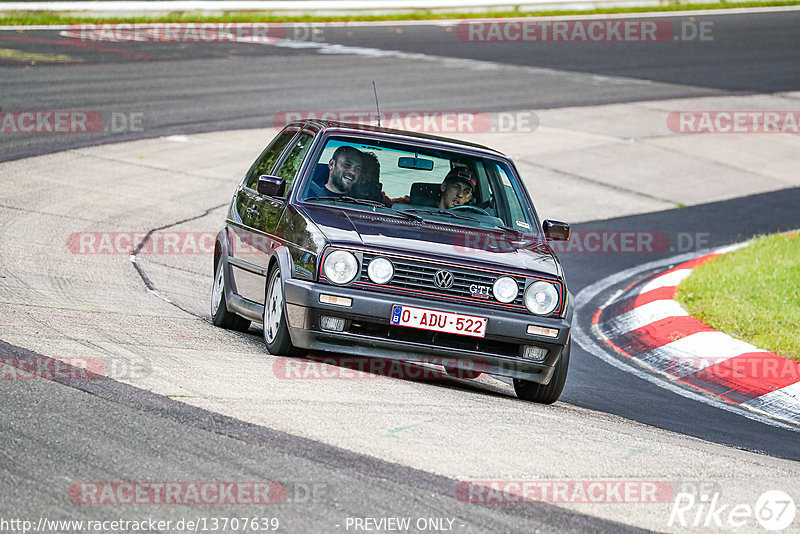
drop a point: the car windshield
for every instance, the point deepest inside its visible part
(424, 183)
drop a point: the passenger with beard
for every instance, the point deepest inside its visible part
(344, 170)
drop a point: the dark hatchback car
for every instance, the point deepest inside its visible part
(342, 238)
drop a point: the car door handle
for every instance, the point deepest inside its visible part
(252, 211)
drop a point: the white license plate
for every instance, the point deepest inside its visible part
(438, 321)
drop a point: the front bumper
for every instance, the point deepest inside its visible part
(368, 333)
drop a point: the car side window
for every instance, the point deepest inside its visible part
(288, 170)
(266, 161)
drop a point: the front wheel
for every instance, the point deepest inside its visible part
(533, 392)
(276, 332)
(220, 315)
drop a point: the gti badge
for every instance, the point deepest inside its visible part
(479, 292)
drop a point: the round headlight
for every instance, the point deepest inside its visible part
(541, 298)
(340, 266)
(505, 289)
(380, 270)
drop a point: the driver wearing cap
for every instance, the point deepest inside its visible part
(457, 188)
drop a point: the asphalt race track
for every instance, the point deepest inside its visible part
(203, 406)
(183, 88)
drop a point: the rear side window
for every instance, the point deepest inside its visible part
(266, 161)
(294, 160)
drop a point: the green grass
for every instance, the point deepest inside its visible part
(34, 18)
(752, 294)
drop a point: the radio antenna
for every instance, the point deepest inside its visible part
(375, 90)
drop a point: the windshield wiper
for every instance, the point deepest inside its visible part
(510, 230)
(349, 200)
(444, 213)
(366, 202)
(520, 236)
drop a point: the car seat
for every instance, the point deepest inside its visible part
(425, 194)
(320, 175)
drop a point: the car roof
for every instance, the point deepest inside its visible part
(346, 127)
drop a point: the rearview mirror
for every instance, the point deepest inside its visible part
(271, 186)
(556, 230)
(415, 163)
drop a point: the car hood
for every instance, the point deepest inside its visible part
(463, 245)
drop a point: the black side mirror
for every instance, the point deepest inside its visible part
(556, 230)
(271, 186)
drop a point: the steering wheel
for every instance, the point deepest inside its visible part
(470, 209)
(489, 203)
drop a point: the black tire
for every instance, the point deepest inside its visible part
(276, 332)
(220, 315)
(533, 392)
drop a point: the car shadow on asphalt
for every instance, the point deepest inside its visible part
(322, 365)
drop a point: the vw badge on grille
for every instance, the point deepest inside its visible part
(443, 279)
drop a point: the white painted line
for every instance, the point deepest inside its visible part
(642, 316)
(591, 345)
(784, 402)
(455, 63)
(711, 346)
(166, 299)
(695, 352)
(671, 279)
(731, 248)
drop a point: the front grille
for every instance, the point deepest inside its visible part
(416, 275)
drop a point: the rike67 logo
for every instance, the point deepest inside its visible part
(773, 510)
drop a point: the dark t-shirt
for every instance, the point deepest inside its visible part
(318, 180)
(317, 190)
